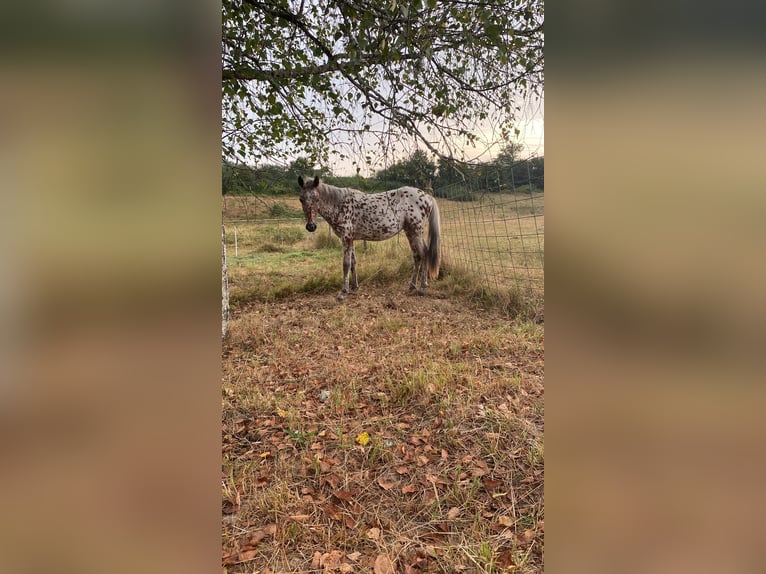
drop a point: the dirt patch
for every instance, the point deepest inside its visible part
(386, 431)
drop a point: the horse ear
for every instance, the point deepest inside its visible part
(316, 180)
(300, 180)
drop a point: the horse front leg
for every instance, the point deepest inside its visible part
(354, 282)
(348, 256)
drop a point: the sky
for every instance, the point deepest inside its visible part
(531, 126)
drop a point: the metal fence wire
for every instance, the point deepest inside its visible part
(491, 228)
(495, 230)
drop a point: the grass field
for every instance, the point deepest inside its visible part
(495, 244)
(384, 434)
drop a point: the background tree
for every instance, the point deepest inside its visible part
(510, 171)
(417, 170)
(299, 76)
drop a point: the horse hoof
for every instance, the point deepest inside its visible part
(340, 297)
(420, 292)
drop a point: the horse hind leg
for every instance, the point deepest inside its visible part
(354, 281)
(419, 263)
(348, 258)
(349, 270)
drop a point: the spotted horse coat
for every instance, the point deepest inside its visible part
(354, 215)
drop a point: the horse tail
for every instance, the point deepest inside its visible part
(433, 253)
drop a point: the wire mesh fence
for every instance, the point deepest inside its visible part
(492, 228)
(495, 230)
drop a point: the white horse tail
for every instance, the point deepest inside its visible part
(433, 254)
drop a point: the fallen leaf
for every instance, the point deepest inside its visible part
(505, 520)
(453, 513)
(526, 537)
(383, 565)
(332, 479)
(332, 511)
(385, 485)
(255, 539)
(505, 560)
(344, 494)
(246, 556)
(316, 560)
(354, 556)
(331, 560)
(300, 517)
(373, 533)
(363, 438)
(409, 488)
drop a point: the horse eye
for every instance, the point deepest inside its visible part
(303, 200)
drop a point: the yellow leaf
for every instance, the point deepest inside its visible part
(281, 412)
(363, 438)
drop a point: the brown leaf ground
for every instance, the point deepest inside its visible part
(447, 478)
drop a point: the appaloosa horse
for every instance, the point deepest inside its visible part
(353, 215)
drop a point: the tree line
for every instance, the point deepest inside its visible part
(504, 173)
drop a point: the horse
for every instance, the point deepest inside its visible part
(353, 215)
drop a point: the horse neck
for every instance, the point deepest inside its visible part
(330, 202)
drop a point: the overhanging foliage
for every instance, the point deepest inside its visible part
(300, 76)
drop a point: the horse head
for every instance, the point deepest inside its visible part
(309, 198)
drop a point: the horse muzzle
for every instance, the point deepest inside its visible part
(311, 226)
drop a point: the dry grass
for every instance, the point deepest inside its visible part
(387, 429)
(451, 397)
(247, 207)
(499, 238)
(492, 249)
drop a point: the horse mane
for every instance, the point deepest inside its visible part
(336, 194)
